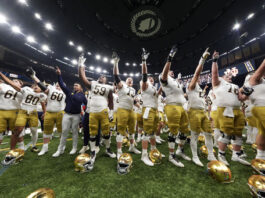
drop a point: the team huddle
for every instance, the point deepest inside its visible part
(219, 115)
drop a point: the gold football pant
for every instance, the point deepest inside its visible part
(50, 119)
(150, 124)
(101, 118)
(7, 120)
(259, 114)
(231, 126)
(251, 121)
(125, 118)
(24, 117)
(139, 119)
(113, 122)
(177, 119)
(199, 121)
(213, 115)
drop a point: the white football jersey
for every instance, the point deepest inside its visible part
(115, 102)
(160, 103)
(173, 91)
(257, 98)
(99, 96)
(248, 108)
(196, 97)
(149, 96)
(212, 97)
(138, 109)
(30, 99)
(9, 97)
(55, 99)
(126, 97)
(226, 94)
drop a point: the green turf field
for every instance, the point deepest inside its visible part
(164, 180)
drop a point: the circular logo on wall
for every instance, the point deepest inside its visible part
(146, 22)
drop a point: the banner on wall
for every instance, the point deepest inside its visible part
(239, 69)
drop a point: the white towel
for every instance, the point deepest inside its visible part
(228, 112)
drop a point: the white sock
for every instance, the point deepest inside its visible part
(92, 145)
(171, 145)
(209, 143)
(21, 144)
(107, 143)
(119, 150)
(34, 136)
(193, 143)
(144, 152)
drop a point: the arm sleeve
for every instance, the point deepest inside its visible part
(84, 100)
(62, 85)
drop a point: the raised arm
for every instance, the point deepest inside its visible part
(10, 82)
(82, 72)
(215, 75)
(145, 55)
(32, 74)
(168, 63)
(116, 74)
(255, 78)
(61, 83)
(198, 70)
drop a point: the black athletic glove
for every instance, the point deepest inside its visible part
(172, 53)
(247, 90)
(30, 72)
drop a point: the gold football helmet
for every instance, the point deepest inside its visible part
(219, 171)
(125, 142)
(201, 139)
(13, 157)
(259, 166)
(83, 163)
(155, 156)
(256, 184)
(42, 193)
(124, 164)
(254, 146)
(204, 151)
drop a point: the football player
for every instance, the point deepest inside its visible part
(71, 118)
(9, 106)
(257, 82)
(125, 114)
(137, 108)
(251, 123)
(28, 111)
(198, 119)
(54, 109)
(176, 115)
(101, 99)
(231, 118)
(149, 111)
(161, 116)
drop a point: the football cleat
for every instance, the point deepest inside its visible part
(58, 153)
(73, 151)
(197, 161)
(211, 158)
(84, 149)
(13, 157)
(174, 160)
(43, 151)
(240, 159)
(146, 160)
(221, 158)
(124, 163)
(219, 171)
(134, 150)
(182, 154)
(158, 141)
(110, 153)
(34, 149)
(42, 192)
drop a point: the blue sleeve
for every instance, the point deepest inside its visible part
(84, 100)
(62, 85)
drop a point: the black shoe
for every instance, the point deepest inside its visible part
(34, 149)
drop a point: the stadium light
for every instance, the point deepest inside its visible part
(98, 57)
(24, 2)
(89, 53)
(125, 74)
(71, 43)
(98, 69)
(137, 75)
(134, 64)
(3, 19)
(16, 29)
(45, 48)
(31, 39)
(65, 58)
(74, 62)
(91, 67)
(37, 16)
(127, 64)
(131, 74)
(48, 26)
(236, 26)
(112, 61)
(250, 15)
(105, 59)
(104, 71)
(79, 48)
